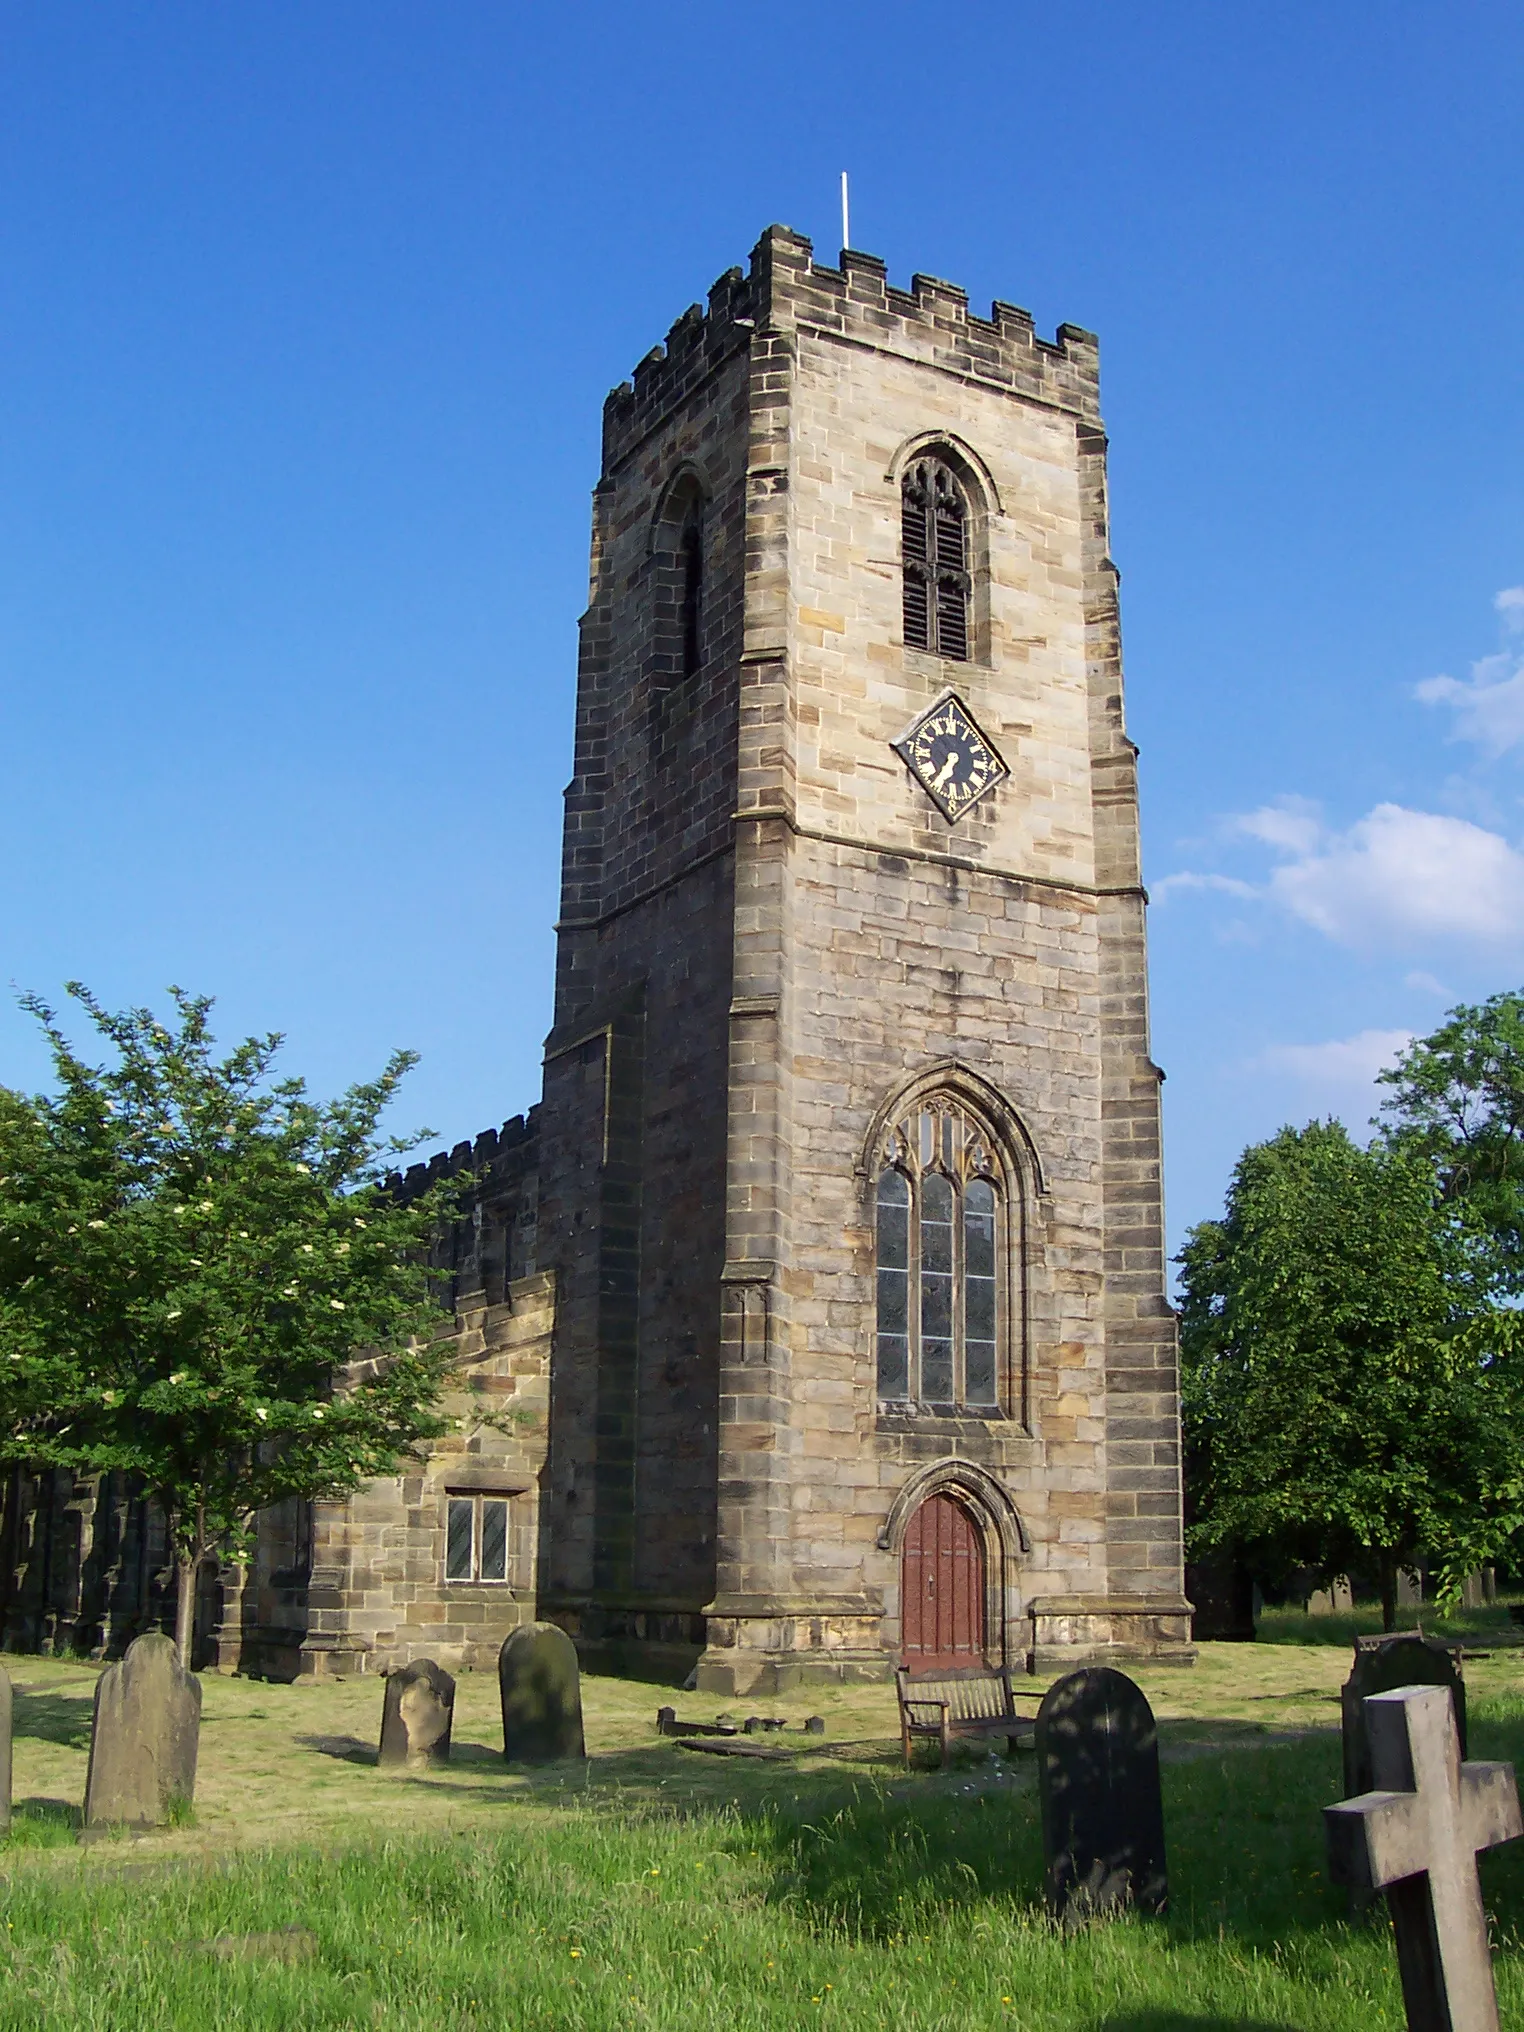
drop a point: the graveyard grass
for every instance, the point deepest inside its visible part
(657, 1887)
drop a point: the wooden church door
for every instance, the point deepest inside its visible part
(941, 1588)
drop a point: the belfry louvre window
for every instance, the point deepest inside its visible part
(934, 545)
(942, 1239)
(476, 1538)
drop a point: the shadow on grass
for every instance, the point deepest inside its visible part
(61, 1718)
(45, 1823)
(1478, 1629)
(1244, 1838)
(348, 1749)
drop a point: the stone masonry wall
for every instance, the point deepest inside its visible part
(633, 1186)
(874, 941)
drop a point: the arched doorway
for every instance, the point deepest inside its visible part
(941, 1588)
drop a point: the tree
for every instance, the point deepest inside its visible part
(1348, 1398)
(1458, 1100)
(191, 1252)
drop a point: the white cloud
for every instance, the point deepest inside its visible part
(1343, 1061)
(1227, 884)
(1291, 823)
(1338, 1077)
(1397, 876)
(1488, 705)
(1395, 879)
(1426, 985)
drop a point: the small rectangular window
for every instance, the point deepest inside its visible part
(494, 1539)
(458, 1546)
(477, 1538)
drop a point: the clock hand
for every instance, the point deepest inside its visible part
(944, 775)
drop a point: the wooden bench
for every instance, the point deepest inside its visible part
(974, 1703)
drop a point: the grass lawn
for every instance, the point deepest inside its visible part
(657, 1887)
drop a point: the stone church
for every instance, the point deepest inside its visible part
(815, 1320)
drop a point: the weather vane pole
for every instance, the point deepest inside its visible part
(846, 229)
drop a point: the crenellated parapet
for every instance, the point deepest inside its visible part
(494, 1240)
(495, 1155)
(786, 290)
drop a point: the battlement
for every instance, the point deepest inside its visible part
(494, 1153)
(786, 290)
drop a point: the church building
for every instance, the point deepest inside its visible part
(816, 1319)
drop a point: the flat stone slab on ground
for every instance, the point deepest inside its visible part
(288, 1943)
(144, 1738)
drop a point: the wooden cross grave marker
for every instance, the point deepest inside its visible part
(1417, 1838)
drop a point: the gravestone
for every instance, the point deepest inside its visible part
(416, 1717)
(541, 1690)
(144, 1736)
(1416, 1838)
(1102, 1811)
(1337, 1599)
(1379, 1668)
(5, 1751)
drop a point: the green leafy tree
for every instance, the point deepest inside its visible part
(1348, 1398)
(1457, 1099)
(191, 1252)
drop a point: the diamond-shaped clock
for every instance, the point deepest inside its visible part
(949, 757)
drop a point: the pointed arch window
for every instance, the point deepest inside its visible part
(944, 1253)
(934, 545)
(678, 556)
(690, 572)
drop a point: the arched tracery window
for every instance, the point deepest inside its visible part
(944, 1251)
(934, 543)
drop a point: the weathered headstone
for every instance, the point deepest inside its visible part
(1102, 1811)
(144, 1737)
(1416, 1838)
(5, 1751)
(542, 1695)
(1379, 1668)
(416, 1717)
(1337, 1599)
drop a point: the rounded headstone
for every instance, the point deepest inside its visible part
(144, 1737)
(416, 1716)
(1382, 1668)
(541, 1692)
(1098, 1783)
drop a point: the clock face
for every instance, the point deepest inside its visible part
(949, 757)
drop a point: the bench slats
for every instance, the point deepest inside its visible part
(968, 1703)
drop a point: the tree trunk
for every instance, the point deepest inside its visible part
(1388, 1594)
(188, 1567)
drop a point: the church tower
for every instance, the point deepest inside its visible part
(850, 1162)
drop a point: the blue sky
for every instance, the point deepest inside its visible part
(306, 317)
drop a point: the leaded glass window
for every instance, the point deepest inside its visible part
(477, 1538)
(942, 1232)
(893, 1284)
